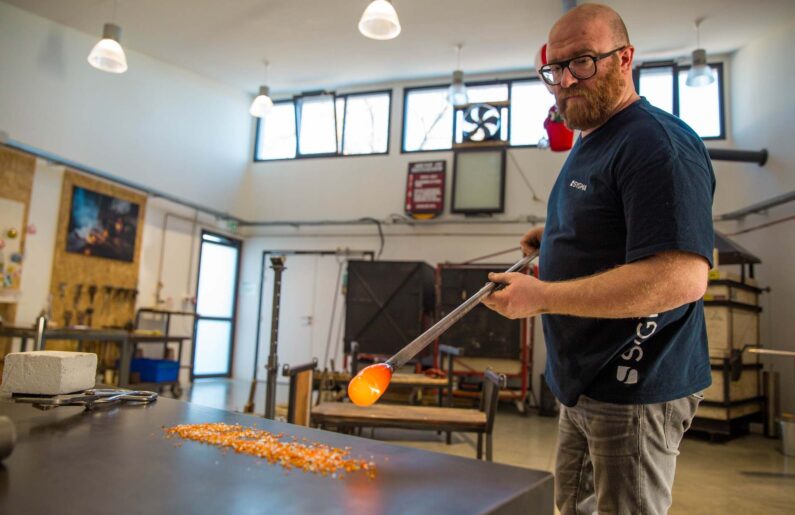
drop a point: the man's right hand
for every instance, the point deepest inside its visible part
(531, 241)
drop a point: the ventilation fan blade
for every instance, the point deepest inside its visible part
(491, 118)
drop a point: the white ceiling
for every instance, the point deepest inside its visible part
(314, 44)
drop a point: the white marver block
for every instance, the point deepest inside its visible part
(47, 372)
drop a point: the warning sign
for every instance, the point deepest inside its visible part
(425, 189)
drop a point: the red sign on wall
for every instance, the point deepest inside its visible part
(425, 189)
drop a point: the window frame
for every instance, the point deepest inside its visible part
(345, 121)
(341, 142)
(334, 98)
(676, 70)
(259, 128)
(493, 82)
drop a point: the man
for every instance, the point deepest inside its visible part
(624, 261)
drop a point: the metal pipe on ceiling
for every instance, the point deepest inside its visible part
(759, 206)
(222, 215)
(48, 156)
(744, 156)
(525, 219)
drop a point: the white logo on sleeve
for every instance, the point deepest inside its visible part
(578, 186)
(645, 329)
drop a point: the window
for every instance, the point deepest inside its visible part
(316, 121)
(276, 138)
(664, 86)
(429, 122)
(324, 125)
(657, 85)
(701, 107)
(366, 127)
(530, 103)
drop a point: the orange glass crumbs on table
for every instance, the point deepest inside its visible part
(309, 457)
(369, 384)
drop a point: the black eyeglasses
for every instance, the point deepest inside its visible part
(581, 67)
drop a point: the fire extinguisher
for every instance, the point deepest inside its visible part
(560, 137)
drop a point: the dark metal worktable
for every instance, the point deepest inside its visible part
(67, 461)
(124, 339)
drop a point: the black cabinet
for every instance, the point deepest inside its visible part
(387, 304)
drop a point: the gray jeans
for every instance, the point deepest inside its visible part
(619, 458)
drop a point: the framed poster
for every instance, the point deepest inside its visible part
(425, 189)
(479, 181)
(101, 225)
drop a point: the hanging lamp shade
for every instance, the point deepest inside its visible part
(700, 73)
(380, 21)
(108, 55)
(263, 104)
(457, 92)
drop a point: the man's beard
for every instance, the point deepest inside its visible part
(596, 103)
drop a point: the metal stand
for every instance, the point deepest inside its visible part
(277, 263)
(41, 326)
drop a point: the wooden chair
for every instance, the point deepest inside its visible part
(344, 415)
(300, 395)
(451, 353)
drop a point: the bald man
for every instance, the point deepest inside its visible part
(624, 261)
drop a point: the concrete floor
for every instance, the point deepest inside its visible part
(746, 475)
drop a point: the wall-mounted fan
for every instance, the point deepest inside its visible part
(481, 123)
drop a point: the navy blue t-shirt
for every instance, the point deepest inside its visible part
(640, 184)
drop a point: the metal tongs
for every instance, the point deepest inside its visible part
(91, 399)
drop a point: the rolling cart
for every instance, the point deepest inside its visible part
(158, 374)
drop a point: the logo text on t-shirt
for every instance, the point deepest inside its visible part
(578, 185)
(625, 373)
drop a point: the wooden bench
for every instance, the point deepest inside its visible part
(344, 415)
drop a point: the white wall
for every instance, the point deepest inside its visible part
(170, 129)
(170, 258)
(45, 203)
(759, 111)
(763, 109)
(156, 125)
(356, 187)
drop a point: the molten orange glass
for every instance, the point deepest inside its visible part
(369, 384)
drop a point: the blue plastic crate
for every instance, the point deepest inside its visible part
(155, 370)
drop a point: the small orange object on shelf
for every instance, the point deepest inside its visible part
(276, 448)
(369, 384)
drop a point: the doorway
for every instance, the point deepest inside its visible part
(312, 305)
(216, 305)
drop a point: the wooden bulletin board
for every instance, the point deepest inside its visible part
(12, 218)
(74, 274)
(16, 184)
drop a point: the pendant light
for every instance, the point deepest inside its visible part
(457, 93)
(380, 21)
(700, 73)
(108, 55)
(262, 104)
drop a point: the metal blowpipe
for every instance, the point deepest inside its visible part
(422, 341)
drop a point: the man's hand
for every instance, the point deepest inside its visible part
(522, 296)
(531, 241)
